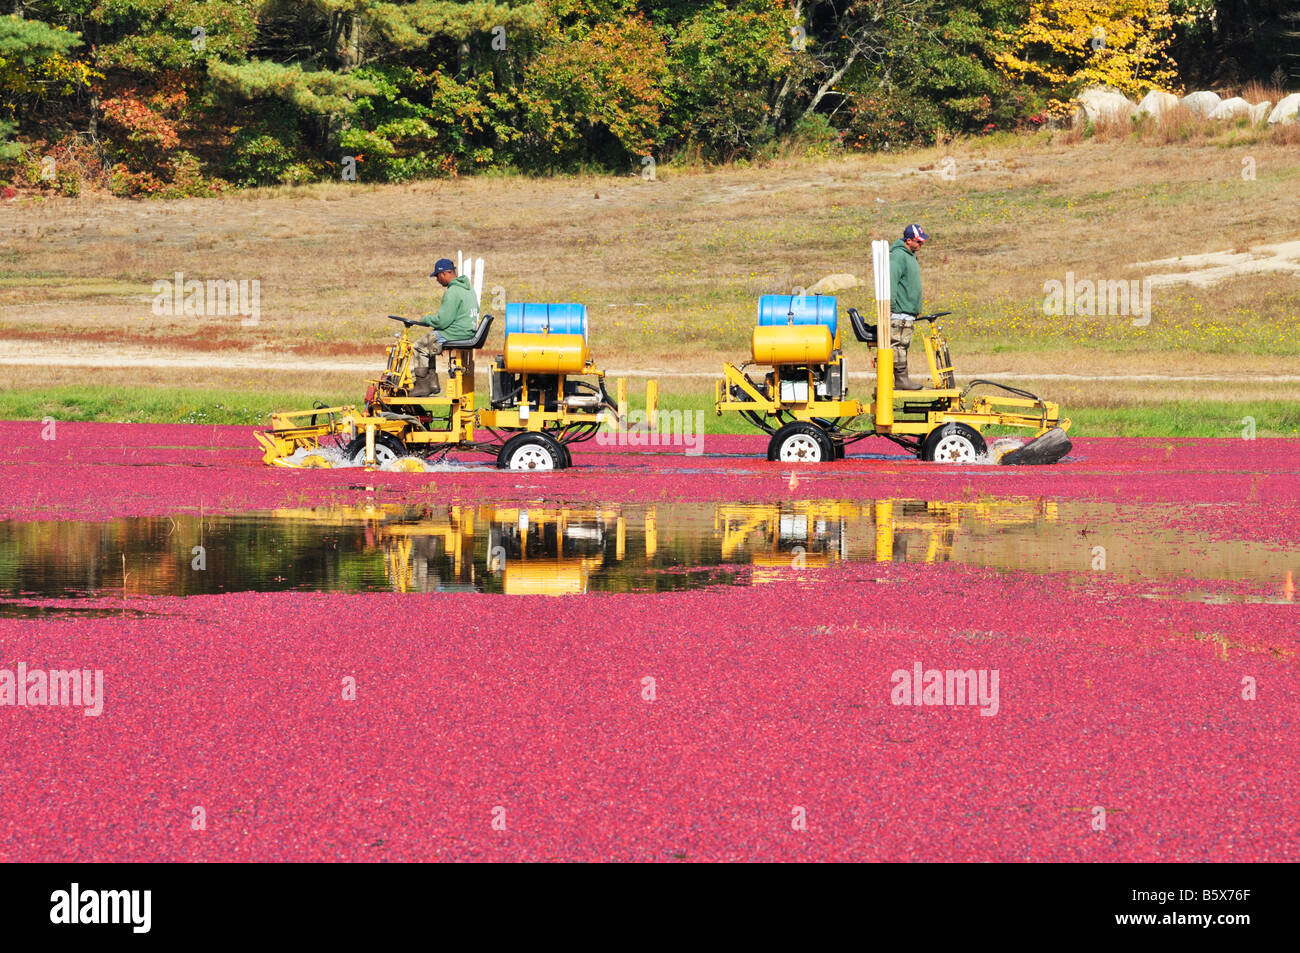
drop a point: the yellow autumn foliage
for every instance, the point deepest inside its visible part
(35, 62)
(1069, 44)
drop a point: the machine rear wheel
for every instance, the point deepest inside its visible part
(387, 449)
(801, 442)
(532, 451)
(953, 443)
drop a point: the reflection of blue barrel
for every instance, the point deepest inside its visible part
(778, 310)
(528, 318)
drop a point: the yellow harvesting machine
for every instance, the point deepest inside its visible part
(546, 394)
(802, 399)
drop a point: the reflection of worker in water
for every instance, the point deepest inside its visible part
(454, 321)
(905, 300)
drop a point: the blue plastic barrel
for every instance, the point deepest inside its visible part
(532, 318)
(797, 309)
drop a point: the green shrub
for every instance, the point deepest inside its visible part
(298, 173)
(69, 182)
(813, 135)
(259, 158)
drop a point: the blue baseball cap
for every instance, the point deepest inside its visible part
(441, 265)
(914, 231)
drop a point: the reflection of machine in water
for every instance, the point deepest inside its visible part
(431, 553)
(921, 531)
(547, 552)
(556, 550)
(528, 551)
(812, 533)
(515, 550)
(807, 534)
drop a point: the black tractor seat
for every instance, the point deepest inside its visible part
(474, 343)
(866, 333)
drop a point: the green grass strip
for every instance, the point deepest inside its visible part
(192, 406)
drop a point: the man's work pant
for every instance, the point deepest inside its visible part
(900, 338)
(900, 330)
(425, 350)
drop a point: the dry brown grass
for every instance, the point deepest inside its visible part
(1256, 92)
(670, 269)
(216, 378)
(1181, 126)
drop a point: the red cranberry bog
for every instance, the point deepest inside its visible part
(653, 655)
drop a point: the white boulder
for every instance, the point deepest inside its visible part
(1157, 103)
(1101, 104)
(1259, 111)
(1287, 110)
(1202, 102)
(833, 283)
(1233, 108)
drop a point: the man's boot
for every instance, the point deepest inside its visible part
(426, 384)
(901, 380)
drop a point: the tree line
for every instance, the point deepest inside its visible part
(188, 96)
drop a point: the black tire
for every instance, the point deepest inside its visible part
(387, 447)
(1048, 448)
(953, 443)
(531, 451)
(568, 456)
(839, 449)
(801, 442)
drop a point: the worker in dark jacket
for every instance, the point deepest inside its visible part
(904, 300)
(455, 321)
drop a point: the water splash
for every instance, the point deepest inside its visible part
(322, 457)
(997, 449)
(310, 458)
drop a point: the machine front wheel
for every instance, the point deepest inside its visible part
(387, 449)
(801, 442)
(953, 443)
(532, 451)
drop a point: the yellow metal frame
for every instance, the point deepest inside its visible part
(522, 418)
(298, 429)
(802, 410)
(290, 433)
(977, 412)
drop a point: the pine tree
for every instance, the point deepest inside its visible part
(35, 66)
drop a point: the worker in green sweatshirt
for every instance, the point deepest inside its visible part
(456, 320)
(904, 300)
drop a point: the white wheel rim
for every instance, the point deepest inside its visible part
(532, 457)
(800, 448)
(383, 454)
(954, 448)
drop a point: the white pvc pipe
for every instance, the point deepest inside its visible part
(880, 271)
(884, 406)
(880, 266)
